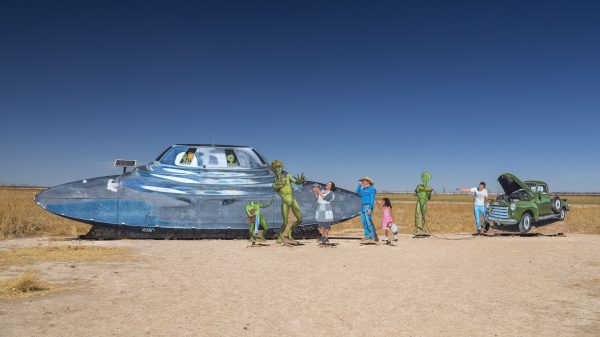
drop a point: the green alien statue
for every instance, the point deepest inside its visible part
(283, 186)
(423, 192)
(231, 160)
(256, 219)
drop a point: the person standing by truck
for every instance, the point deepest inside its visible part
(480, 198)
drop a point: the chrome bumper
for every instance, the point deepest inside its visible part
(502, 221)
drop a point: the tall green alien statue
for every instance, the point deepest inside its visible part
(256, 219)
(423, 192)
(283, 186)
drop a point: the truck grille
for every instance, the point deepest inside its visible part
(499, 212)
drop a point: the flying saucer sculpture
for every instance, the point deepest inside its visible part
(189, 191)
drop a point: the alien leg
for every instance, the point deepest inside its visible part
(284, 213)
(418, 217)
(263, 222)
(417, 213)
(251, 231)
(298, 215)
(424, 216)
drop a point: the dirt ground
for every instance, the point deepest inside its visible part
(484, 286)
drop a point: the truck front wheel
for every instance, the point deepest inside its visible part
(562, 214)
(526, 222)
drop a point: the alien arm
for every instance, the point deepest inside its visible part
(292, 179)
(301, 179)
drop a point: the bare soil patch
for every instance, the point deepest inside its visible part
(486, 286)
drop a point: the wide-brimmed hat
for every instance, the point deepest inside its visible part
(368, 180)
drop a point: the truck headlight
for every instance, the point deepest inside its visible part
(513, 207)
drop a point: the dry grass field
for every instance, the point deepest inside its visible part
(454, 214)
(20, 217)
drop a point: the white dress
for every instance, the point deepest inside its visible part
(324, 211)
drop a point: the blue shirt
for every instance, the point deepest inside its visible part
(367, 195)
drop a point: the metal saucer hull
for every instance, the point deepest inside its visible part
(159, 202)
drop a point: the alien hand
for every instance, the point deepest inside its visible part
(301, 179)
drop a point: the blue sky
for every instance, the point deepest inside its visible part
(336, 89)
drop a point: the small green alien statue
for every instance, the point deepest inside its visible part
(283, 186)
(231, 160)
(423, 192)
(256, 219)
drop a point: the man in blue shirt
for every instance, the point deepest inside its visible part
(367, 193)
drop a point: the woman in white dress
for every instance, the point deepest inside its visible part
(324, 212)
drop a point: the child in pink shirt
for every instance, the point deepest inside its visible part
(387, 219)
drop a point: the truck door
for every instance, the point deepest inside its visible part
(544, 201)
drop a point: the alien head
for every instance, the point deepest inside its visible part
(425, 177)
(277, 166)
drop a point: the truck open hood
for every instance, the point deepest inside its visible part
(510, 184)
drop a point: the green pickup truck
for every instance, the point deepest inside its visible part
(525, 203)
